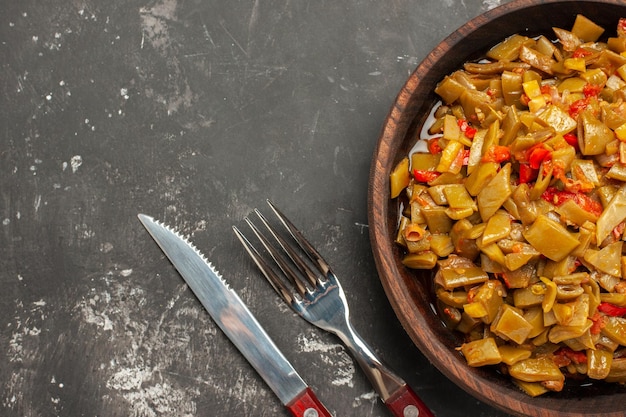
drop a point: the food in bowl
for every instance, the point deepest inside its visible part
(515, 195)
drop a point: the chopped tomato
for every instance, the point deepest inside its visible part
(591, 90)
(497, 153)
(576, 107)
(572, 139)
(598, 323)
(466, 154)
(537, 154)
(588, 204)
(578, 357)
(422, 175)
(557, 197)
(433, 146)
(565, 354)
(467, 130)
(581, 53)
(546, 89)
(527, 173)
(554, 195)
(612, 310)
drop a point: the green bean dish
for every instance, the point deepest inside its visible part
(515, 197)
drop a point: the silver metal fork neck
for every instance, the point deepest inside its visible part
(386, 382)
(381, 377)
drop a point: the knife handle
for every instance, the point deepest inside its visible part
(306, 404)
(406, 403)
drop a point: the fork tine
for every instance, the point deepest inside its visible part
(267, 271)
(311, 252)
(304, 269)
(280, 260)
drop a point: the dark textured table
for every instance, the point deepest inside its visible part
(193, 112)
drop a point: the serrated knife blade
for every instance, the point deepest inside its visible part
(236, 321)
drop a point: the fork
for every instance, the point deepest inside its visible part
(306, 282)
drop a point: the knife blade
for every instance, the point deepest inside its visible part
(236, 321)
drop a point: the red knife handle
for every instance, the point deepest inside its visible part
(406, 403)
(306, 404)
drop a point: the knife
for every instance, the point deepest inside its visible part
(236, 321)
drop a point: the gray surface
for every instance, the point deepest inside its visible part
(193, 112)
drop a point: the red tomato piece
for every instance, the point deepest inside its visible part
(527, 174)
(591, 90)
(537, 154)
(612, 310)
(433, 146)
(572, 139)
(588, 204)
(422, 175)
(576, 107)
(557, 197)
(572, 355)
(598, 323)
(497, 153)
(581, 53)
(466, 128)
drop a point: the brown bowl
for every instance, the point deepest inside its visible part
(408, 291)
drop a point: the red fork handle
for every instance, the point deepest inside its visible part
(306, 404)
(406, 403)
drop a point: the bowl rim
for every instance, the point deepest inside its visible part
(401, 118)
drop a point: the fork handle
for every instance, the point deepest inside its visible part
(306, 404)
(406, 403)
(399, 398)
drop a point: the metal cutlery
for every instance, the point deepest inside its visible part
(306, 282)
(236, 321)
